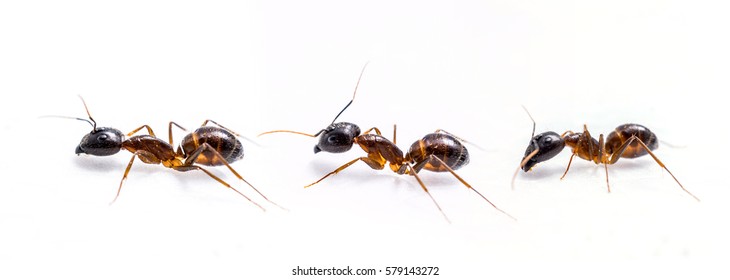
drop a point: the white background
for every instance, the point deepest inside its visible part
(464, 66)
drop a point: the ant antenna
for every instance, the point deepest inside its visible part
(66, 117)
(335, 119)
(91, 120)
(353, 94)
(524, 161)
(528, 157)
(533, 120)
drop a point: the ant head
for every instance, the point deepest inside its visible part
(543, 146)
(102, 141)
(337, 138)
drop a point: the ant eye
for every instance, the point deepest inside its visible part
(102, 137)
(547, 140)
(332, 139)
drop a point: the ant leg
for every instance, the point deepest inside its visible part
(205, 146)
(394, 128)
(566, 133)
(566, 169)
(149, 130)
(605, 166)
(372, 163)
(464, 140)
(602, 158)
(415, 174)
(169, 130)
(195, 167)
(586, 136)
(124, 178)
(617, 154)
(522, 164)
(377, 131)
(432, 158)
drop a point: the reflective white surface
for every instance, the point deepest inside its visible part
(465, 67)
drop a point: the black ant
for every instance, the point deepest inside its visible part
(337, 137)
(207, 145)
(437, 152)
(626, 141)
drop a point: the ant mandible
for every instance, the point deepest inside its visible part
(626, 141)
(196, 148)
(437, 152)
(337, 137)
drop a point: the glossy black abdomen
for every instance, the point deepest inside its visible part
(443, 146)
(224, 142)
(622, 134)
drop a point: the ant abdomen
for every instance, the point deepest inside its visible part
(622, 133)
(222, 141)
(441, 145)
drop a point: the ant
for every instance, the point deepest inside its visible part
(337, 137)
(626, 141)
(207, 145)
(437, 152)
(440, 151)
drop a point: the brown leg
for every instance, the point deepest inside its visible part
(415, 174)
(586, 136)
(377, 131)
(124, 178)
(435, 158)
(169, 131)
(394, 134)
(195, 167)
(373, 164)
(617, 154)
(567, 168)
(149, 130)
(602, 158)
(205, 146)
